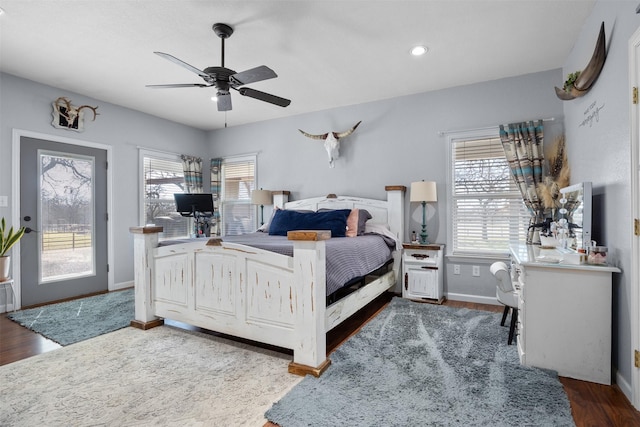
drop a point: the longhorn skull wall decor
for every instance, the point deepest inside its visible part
(66, 116)
(332, 142)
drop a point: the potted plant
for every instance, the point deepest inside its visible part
(7, 240)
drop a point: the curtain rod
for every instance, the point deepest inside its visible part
(446, 132)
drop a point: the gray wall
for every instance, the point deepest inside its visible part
(26, 105)
(397, 143)
(598, 142)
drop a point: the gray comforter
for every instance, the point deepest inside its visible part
(347, 257)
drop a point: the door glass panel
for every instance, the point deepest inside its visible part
(66, 219)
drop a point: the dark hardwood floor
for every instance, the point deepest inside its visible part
(591, 404)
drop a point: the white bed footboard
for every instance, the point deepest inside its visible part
(247, 292)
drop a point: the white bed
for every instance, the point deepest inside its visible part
(257, 294)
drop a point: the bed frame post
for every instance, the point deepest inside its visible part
(280, 198)
(309, 257)
(395, 197)
(145, 239)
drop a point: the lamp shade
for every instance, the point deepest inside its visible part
(424, 191)
(261, 197)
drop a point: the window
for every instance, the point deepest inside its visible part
(487, 211)
(238, 181)
(162, 177)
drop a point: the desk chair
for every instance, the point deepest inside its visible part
(506, 294)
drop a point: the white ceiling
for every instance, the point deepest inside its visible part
(326, 53)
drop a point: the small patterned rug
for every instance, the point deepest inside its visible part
(427, 365)
(77, 320)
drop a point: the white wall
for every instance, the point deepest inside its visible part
(26, 105)
(598, 142)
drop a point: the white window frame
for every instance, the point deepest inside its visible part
(252, 157)
(517, 232)
(142, 154)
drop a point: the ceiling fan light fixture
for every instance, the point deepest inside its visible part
(419, 50)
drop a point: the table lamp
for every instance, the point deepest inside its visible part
(424, 192)
(261, 197)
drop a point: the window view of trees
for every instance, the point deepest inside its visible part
(163, 178)
(66, 215)
(488, 212)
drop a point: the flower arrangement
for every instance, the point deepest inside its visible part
(559, 172)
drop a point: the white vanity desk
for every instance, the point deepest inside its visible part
(564, 319)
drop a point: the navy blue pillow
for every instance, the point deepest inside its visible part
(287, 220)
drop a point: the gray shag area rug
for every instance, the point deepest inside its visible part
(160, 377)
(420, 364)
(77, 320)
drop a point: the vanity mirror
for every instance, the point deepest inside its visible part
(577, 211)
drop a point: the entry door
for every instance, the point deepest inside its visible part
(63, 204)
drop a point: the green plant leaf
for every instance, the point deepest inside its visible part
(8, 239)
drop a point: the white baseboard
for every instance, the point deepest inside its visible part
(624, 386)
(473, 298)
(122, 285)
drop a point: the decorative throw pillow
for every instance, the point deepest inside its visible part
(356, 221)
(352, 223)
(363, 217)
(286, 220)
(264, 228)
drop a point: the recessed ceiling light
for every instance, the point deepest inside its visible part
(419, 50)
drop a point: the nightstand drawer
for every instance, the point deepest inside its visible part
(426, 257)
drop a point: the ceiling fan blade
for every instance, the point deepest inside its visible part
(224, 101)
(179, 85)
(263, 96)
(253, 75)
(182, 64)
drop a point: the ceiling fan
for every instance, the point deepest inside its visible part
(225, 79)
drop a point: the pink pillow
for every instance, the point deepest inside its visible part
(352, 223)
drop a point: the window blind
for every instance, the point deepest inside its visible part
(487, 209)
(238, 181)
(162, 178)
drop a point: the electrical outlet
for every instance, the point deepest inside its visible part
(456, 268)
(475, 270)
(4, 201)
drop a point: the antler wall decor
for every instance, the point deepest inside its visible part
(579, 83)
(66, 116)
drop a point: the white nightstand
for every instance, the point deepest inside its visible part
(422, 274)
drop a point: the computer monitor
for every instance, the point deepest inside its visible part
(194, 204)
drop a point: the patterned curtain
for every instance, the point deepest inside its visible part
(192, 167)
(216, 186)
(523, 147)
